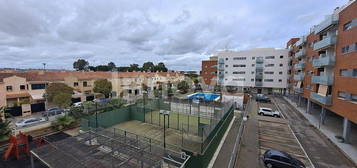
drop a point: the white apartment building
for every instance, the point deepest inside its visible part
(261, 69)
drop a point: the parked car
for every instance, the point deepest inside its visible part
(52, 112)
(77, 104)
(268, 112)
(262, 98)
(28, 121)
(279, 159)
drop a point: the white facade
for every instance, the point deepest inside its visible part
(262, 67)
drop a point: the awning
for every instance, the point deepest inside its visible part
(17, 95)
(37, 94)
(322, 90)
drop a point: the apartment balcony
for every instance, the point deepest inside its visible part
(324, 80)
(289, 68)
(323, 60)
(325, 100)
(259, 75)
(221, 76)
(259, 60)
(301, 53)
(299, 90)
(301, 41)
(221, 61)
(221, 67)
(299, 77)
(258, 83)
(299, 65)
(289, 59)
(259, 66)
(330, 21)
(325, 43)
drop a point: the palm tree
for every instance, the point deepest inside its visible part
(4, 125)
(63, 122)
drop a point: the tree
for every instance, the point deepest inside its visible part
(4, 130)
(54, 89)
(80, 65)
(148, 66)
(63, 122)
(161, 67)
(144, 87)
(123, 69)
(169, 90)
(102, 68)
(111, 66)
(134, 67)
(63, 100)
(183, 87)
(103, 86)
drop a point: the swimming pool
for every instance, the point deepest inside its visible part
(205, 96)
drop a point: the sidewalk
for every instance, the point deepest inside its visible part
(249, 152)
(350, 150)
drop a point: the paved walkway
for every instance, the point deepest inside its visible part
(348, 149)
(226, 151)
(249, 151)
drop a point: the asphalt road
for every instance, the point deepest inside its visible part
(322, 152)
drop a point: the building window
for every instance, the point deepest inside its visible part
(268, 80)
(347, 26)
(280, 73)
(226, 66)
(269, 57)
(253, 58)
(239, 58)
(269, 65)
(239, 65)
(226, 59)
(344, 72)
(268, 72)
(252, 79)
(342, 95)
(129, 91)
(281, 65)
(280, 80)
(239, 72)
(9, 88)
(85, 83)
(253, 65)
(252, 72)
(226, 72)
(281, 56)
(136, 91)
(22, 87)
(38, 86)
(354, 73)
(354, 98)
(75, 84)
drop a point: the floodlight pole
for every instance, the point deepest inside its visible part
(164, 131)
(96, 115)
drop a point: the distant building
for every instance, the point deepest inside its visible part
(261, 69)
(209, 72)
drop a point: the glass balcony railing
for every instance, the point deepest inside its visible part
(301, 41)
(325, 43)
(289, 67)
(299, 77)
(323, 60)
(328, 22)
(259, 60)
(221, 67)
(221, 61)
(299, 90)
(221, 76)
(299, 65)
(258, 83)
(289, 59)
(324, 80)
(301, 53)
(259, 75)
(326, 100)
(259, 66)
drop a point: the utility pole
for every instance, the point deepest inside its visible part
(44, 66)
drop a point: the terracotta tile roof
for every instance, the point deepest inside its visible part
(16, 95)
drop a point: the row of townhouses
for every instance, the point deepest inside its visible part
(29, 86)
(260, 69)
(323, 67)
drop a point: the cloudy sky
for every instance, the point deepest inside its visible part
(179, 33)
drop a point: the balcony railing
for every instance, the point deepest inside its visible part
(326, 100)
(323, 60)
(328, 22)
(289, 59)
(221, 76)
(299, 65)
(259, 60)
(221, 61)
(259, 66)
(299, 77)
(259, 75)
(221, 67)
(301, 53)
(258, 83)
(324, 80)
(301, 41)
(299, 90)
(325, 43)
(289, 67)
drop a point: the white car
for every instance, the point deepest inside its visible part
(29, 121)
(268, 112)
(77, 104)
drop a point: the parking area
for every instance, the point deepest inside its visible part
(275, 133)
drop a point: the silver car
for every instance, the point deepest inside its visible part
(29, 121)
